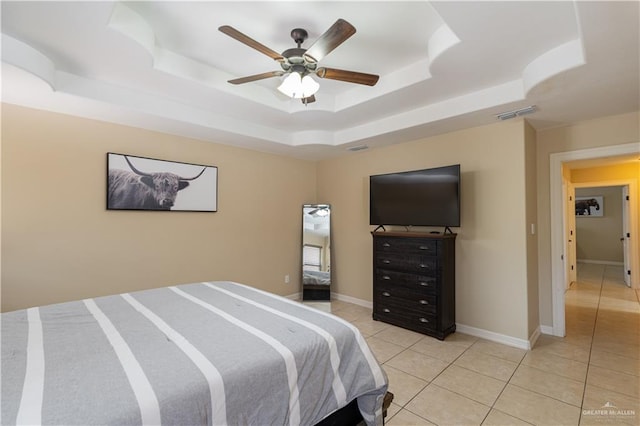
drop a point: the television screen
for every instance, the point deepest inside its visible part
(429, 197)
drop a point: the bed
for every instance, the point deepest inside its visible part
(316, 285)
(196, 354)
(316, 277)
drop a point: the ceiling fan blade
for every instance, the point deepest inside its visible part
(242, 38)
(255, 77)
(309, 99)
(332, 38)
(348, 76)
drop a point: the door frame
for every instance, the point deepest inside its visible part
(626, 230)
(569, 227)
(557, 218)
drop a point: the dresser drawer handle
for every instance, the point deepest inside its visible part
(386, 261)
(423, 266)
(386, 294)
(424, 248)
(386, 245)
(387, 311)
(424, 284)
(424, 302)
(424, 320)
(386, 277)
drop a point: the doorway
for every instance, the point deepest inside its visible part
(558, 181)
(601, 226)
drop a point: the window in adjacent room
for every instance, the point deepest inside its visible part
(311, 257)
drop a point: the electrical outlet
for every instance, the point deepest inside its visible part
(286, 279)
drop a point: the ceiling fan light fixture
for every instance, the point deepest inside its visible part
(298, 87)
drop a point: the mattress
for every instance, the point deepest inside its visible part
(316, 278)
(211, 353)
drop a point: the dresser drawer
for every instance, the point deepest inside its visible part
(411, 320)
(412, 282)
(426, 247)
(406, 300)
(409, 263)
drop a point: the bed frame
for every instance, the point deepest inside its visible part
(350, 415)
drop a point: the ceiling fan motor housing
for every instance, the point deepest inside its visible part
(296, 61)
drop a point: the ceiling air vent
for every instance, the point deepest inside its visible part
(357, 148)
(517, 113)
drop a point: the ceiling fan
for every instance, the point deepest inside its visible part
(320, 211)
(300, 63)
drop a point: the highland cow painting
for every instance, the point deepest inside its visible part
(139, 183)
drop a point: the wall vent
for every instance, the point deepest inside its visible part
(357, 148)
(516, 113)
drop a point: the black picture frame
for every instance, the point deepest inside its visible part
(590, 206)
(149, 184)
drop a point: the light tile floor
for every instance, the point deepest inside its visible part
(592, 376)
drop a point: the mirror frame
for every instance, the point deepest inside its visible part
(314, 285)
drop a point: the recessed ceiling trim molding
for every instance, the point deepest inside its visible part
(132, 25)
(164, 66)
(23, 56)
(559, 59)
(440, 41)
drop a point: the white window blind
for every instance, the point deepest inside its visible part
(311, 257)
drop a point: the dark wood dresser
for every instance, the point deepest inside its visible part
(414, 282)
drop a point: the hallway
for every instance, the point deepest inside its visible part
(603, 319)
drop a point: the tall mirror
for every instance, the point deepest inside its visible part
(316, 252)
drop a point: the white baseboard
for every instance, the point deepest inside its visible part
(534, 337)
(473, 331)
(601, 262)
(546, 329)
(494, 337)
(349, 299)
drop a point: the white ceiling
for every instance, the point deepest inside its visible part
(443, 65)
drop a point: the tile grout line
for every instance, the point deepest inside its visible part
(432, 380)
(502, 391)
(593, 335)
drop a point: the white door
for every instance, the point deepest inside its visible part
(626, 235)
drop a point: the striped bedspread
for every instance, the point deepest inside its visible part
(196, 354)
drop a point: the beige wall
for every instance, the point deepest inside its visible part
(598, 238)
(60, 243)
(606, 131)
(491, 247)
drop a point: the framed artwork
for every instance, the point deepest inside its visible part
(139, 183)
(591, 206)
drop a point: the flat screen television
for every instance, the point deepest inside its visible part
(428, 197)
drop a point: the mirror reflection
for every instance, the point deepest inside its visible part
(316, 252)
